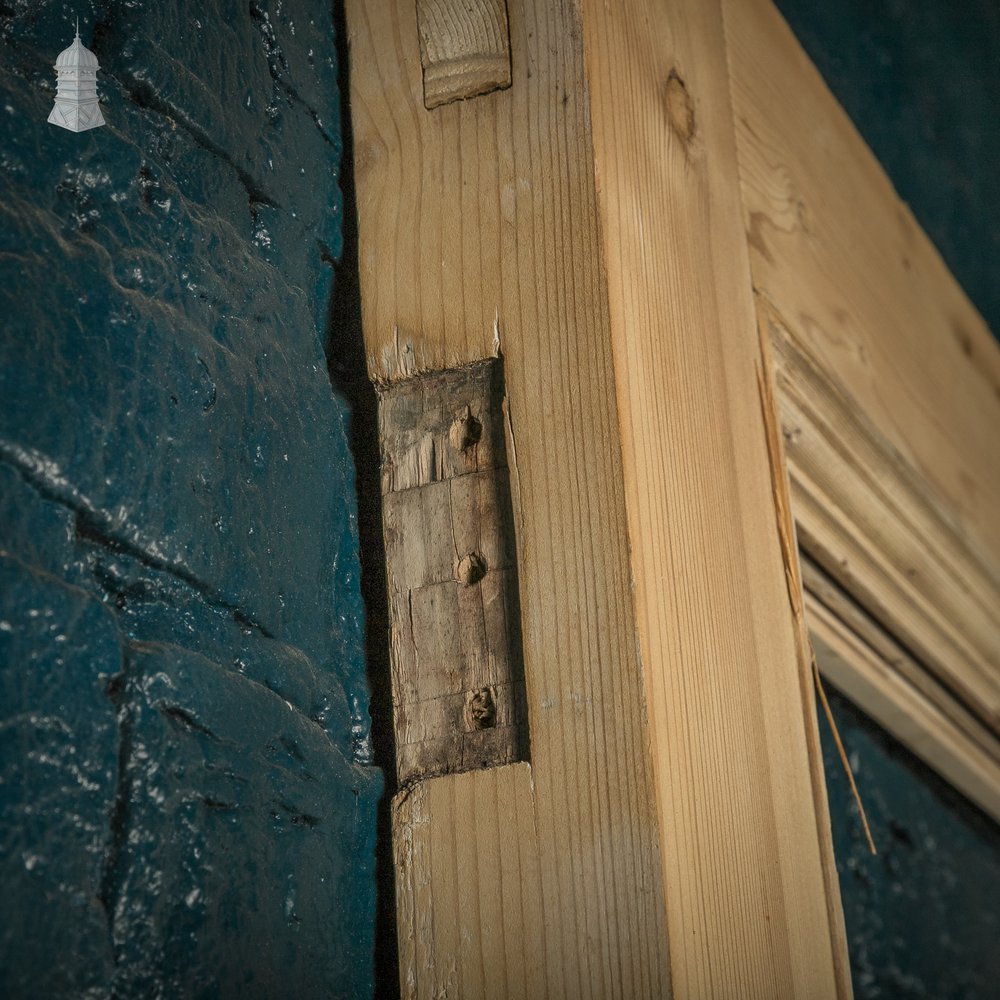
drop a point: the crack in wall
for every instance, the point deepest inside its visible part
(277, 66)
(115, 854)
(95, 527)
(143, 95)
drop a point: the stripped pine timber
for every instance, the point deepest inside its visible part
(846, 265)
(856, 655)
(468, 869)
(824, 589)
(479, 234)
(872, 522)
(752, 894)
(889, 381)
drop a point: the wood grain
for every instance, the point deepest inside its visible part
(872, 669)
(875, 525)
(468, 869)
(479, 233)
(464, 48)
(856, 281)
(825, 590)
(752, 895)
(882, 686)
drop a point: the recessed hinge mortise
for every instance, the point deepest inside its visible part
(456, 656)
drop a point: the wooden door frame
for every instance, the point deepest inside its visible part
(887, 382)
(616, 224)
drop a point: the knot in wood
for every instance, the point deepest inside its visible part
(471, 569)
(680, 107)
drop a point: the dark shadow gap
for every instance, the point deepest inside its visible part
(348, 371)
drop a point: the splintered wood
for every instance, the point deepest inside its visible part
(457, 674)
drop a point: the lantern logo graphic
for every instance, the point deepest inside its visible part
(76, 106)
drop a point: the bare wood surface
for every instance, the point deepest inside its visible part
(872, 522)
(464, 48)
(479, 231)
(451, 567)
(883, 686)
(824, 590)
(857, 283)
(468, 869)
(752, 894)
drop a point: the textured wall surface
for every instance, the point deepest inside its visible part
(186, 798)
(921, 81)
(923, 918)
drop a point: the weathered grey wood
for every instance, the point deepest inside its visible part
(457, 674)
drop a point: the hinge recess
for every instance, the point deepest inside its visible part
(456, 656)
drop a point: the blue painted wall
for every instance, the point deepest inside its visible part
(923, 916)
(187, 802)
